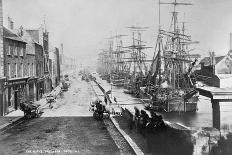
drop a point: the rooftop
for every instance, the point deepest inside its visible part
(206, 60)
(11, 35)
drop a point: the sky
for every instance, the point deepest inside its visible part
(83, 26)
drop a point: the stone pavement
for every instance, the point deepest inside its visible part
(10, 118)
(18, 114)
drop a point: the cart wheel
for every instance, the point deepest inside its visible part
(95, 115)
(101, 116)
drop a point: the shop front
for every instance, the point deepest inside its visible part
(39, 88)
(16, 93)
(2, 96)
(32, 88)
(47, 84)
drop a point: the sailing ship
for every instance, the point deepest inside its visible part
(119, 70)
(137, 67)
(170, 81)
(126, 65)
(111, 64)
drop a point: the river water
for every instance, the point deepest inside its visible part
(204, 138)
(201, 118)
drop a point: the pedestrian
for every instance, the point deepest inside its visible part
(131, 123)
(115, 100)
(12, 98)
(136, 118)
(144, 120)
(105, 99)
(41, 92)
(160, 124)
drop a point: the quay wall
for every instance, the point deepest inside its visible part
(174, 139)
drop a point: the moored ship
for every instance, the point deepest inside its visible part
(171, 83)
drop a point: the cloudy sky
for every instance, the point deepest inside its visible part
(83, 25)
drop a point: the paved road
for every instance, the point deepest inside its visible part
(67, 128)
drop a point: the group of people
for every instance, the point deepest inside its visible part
(143, 123)
(98, 108)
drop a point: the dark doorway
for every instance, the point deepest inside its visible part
(16, 100)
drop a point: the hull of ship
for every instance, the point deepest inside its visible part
(178, 105)
(173, 105)
(118, 82)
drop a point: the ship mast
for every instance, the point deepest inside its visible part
(137, 56)
(174, 44)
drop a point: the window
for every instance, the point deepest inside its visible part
(16, 70)
(15, 50)
(11, 49)
(21, 67)
(33, 69)
(21, 52)
(28, 66)
(31, 73)
(8, 51)
(9, 70)
(12, 97)
(41, 69)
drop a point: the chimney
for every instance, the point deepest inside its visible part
(61, 48)
(1, 41)
(212, 58)
(10, 24)
(230, 41)
(20, 31)
(230, 51)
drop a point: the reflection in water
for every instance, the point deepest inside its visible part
(201, 118)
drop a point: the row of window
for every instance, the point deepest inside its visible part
(15, 50)
(14, 70)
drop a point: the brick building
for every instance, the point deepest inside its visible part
(2, 78)
(47, 61)
(15, 70)
(35, 63)
(25, 72)
(38, 41)
(216, 70)
(55, 68)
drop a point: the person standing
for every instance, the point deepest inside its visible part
(12, 99)
(105, 99)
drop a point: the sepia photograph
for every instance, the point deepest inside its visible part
(115, 77)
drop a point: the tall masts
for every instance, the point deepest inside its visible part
(137, 56)
(173, 54)
(122, 61)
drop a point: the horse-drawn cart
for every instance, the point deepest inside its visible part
(50, 99)
(98, 109)
(30, 109)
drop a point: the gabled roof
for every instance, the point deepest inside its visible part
(28, 36)
(12, 36)
(34, 34)
(206, 60)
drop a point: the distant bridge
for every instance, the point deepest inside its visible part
(216, 95)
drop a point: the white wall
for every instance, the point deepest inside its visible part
(226, 83)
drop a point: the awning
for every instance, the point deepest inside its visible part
(16, 81)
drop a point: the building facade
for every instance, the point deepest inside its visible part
(27, 75)
(55, 66)
(34, 62)
(216, 70)
(2, 78)
(15, 71)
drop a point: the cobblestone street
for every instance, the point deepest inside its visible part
(67, 128)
